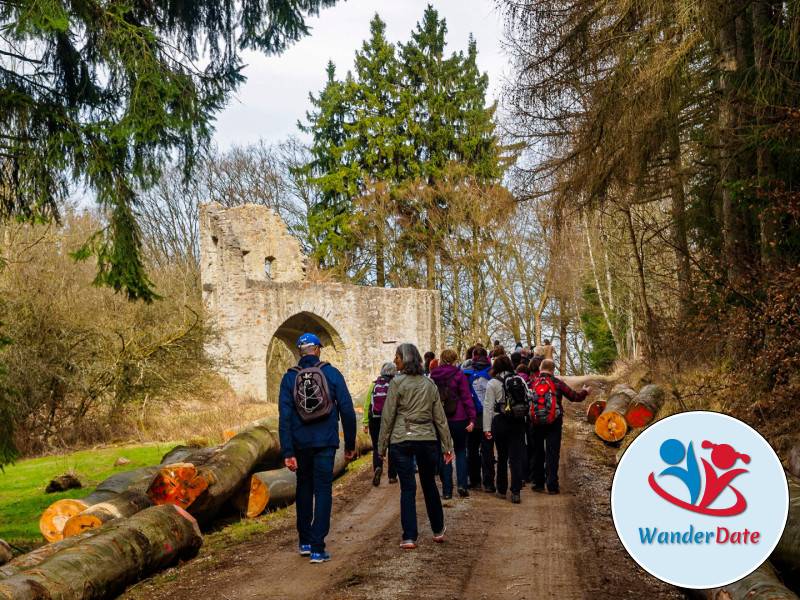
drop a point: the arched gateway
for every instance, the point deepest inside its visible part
(256, 292)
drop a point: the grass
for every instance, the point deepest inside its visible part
(22, 497)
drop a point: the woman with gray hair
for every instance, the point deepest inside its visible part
(373, 407)
(414, 430)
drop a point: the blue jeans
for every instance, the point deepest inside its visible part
(314, 495)
(458, 431)
(426, 454)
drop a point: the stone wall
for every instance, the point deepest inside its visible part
(254, 287)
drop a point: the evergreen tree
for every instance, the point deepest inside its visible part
(107, 92)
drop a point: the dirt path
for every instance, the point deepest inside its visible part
(547, 547)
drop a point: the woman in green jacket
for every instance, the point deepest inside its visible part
(414, 430)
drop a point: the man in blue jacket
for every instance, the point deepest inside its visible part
(309, 448)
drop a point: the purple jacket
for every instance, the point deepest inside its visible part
(457, 381)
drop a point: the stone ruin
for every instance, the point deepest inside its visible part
(259, 299)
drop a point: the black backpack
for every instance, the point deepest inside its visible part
(448, 397)
(516, 398)
(312, 398)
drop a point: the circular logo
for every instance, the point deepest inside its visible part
(699, 499)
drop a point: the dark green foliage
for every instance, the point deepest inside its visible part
(104, 93)
(603, 351)
(386, 136)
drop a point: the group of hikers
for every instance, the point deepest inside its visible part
(492, 413)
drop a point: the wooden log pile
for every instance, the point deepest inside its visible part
(624, 409)
(761, 584)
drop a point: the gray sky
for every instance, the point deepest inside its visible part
(275, 95)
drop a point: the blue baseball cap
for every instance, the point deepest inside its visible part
(308, 339)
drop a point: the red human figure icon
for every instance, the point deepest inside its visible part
(724, 457)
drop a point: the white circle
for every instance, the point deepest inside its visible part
(641, 511)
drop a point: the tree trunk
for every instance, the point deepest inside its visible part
(430, 267)
(120, 506)
(563, 321)
(645, 406)
(204, 489)
(786, 556)
(603, 309)
(102, 565)
(761, 584)
(380, 259)
(611, 425)
(594, 410)
(733, 226)
(650, 327)
(680, 239)
(42, 553)
(5, 553)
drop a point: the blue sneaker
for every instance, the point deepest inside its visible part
(305, 549)
(320, 557)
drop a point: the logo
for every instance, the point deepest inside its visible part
(711, 481)
(699, 499)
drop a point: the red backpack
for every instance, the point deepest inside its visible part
(545, 408)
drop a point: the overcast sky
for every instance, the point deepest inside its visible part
(275, 95)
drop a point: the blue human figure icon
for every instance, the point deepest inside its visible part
(673, 452)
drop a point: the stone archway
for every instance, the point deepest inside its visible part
(282, 352)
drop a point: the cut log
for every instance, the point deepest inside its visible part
(204, 490)
(611, 426)
(786, 556)
(40, 554)
(761, 584)
(276, 488)
(598, 382)
(645, 406)
(191, 454)
(594, 410)
(55, 516)
(102, 565)
(120, 506)
(5, 553)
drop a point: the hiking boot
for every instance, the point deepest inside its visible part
(553, 492)
(392, 479)
(408, 545)
(515, 499)
(376, 477)
(319, 557)
(305, 549)
(439, 537)
(447, 496)
(463, 493)
(490, 489)
(538, 489)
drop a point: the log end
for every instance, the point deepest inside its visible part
(178, 484)
(638, 415)
(80, 523)
(594, 410)
(257, 498)
(55, 517)
(611, 427)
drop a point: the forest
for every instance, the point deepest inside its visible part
(631, 196)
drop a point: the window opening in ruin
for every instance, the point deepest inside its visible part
(215, 239)
(268, 266)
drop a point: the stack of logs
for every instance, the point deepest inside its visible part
(625, 409)
(139, 522)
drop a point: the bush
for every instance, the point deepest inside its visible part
(80, 357)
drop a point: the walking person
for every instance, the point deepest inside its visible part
(459, 408)
(373, 405)
(480, 447)
(414, 429)
(428, 359)
(547, 415)
(313, 398)
(505, 416)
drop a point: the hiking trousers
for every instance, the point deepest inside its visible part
(374, 433)
(509, 439)
(546, 453)
(314, 495)
(426, 456)
(474, 438)
(458, 431)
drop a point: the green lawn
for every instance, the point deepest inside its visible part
(22, 497)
